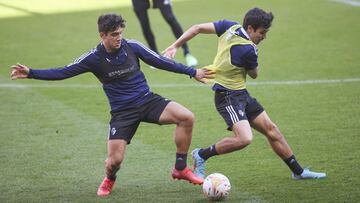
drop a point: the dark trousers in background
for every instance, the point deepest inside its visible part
(140, 9)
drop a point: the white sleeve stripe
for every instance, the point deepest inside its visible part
(83, 56)
(147, 49)
(255, 49)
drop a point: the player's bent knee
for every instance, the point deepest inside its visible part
(242, 142)
(186, 117)
(190, 117)
(273, 132)
(246, 141)
(113, 161)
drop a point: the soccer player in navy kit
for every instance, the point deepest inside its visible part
(115, 62)
(237, 56)
(165, 7)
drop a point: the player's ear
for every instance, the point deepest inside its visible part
(250, 29)
(102, 34)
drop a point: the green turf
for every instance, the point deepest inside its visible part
(53, 139)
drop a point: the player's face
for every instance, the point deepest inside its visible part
(112, 40)
(258, 35)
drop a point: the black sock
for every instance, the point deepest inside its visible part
(294, 165)
(112, 176)
(186, 51)
(208, 152)
(180, 163)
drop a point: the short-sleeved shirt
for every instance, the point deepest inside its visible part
(245, 56)
(241, 55)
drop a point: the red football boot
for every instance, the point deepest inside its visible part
(105, 187)
(188, 175)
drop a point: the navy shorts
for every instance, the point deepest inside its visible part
(235, 106)
(140, 5)
(124, 123)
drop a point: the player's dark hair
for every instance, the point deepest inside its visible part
(110, 22)
(257, 17)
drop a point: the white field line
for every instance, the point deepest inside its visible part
(179, 85)
(349, 2)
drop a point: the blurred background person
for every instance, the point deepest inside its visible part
(140, 9)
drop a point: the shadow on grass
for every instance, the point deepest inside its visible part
(19, 9)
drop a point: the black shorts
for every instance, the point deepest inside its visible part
(237, 106)
(140, 5)
(124, 123)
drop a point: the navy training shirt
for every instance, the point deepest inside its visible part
(122, 93)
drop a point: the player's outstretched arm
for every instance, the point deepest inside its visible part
(19, 71)
(253, 73)
(206, 28)
(203, 74)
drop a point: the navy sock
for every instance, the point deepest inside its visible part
(208, 152)
(294, 165)
(180, 163)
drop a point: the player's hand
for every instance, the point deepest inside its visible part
(19, 71)
(170, 52)
(203, 74)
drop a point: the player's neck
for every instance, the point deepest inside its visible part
(110, 49)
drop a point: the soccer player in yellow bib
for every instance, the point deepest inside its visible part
(235, 59)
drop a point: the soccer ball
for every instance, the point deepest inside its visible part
(216, 186)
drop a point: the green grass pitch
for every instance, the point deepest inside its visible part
(53, 134)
